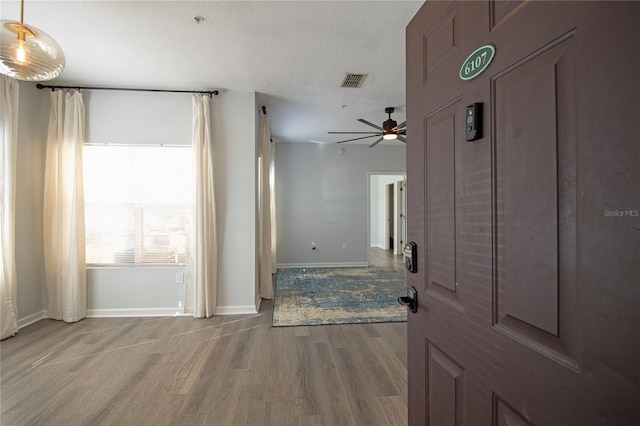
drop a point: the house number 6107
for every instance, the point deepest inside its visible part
(477, 62)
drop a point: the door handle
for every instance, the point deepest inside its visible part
(410, 300)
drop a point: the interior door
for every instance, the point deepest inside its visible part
(388, 217)
(528, 238)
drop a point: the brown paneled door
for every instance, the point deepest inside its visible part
(529, 237)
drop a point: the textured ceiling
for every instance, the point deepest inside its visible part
(294, 54)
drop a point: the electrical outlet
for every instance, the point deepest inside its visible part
(179, 277)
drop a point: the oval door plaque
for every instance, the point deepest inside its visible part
(477, 62)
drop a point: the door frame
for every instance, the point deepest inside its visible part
(400, 212)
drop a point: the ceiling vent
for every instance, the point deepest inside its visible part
(353, 81)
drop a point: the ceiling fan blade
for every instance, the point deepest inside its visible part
(401, 139)
(401, 125)
(357, 139)
(369, 123)
(353, 133)
(376, 143)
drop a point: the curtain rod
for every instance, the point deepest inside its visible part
(211, 93)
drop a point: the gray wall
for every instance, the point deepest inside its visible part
(322, 197)
(33, 114)
(136, 118)
(166, 118)
(124, 117)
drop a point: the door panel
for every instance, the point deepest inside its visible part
(535, 199)
(441, 43)
(445, 389)
(505, 415)
(502, 10)
(528, 238)
(441, 224)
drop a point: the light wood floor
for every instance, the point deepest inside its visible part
(385, 258)
(225, 370)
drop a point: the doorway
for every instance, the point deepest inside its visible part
(387, 218)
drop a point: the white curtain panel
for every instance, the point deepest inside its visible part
(64, 234)
(202, 259)
(9, 135)
(266, 260)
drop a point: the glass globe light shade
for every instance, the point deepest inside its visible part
(26, 53)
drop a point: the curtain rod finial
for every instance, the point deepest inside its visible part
(264, 110)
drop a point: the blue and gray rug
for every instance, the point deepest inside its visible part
(314, 296)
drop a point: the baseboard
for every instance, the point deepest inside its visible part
(144, 312)
(136, 312)
(323, 265)
(236, 310)
(30, 319)
(165, 312)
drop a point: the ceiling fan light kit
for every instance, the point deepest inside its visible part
(27, 53)
(390, 130)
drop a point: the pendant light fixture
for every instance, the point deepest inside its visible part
(26, 53)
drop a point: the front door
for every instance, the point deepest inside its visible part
(528, 237)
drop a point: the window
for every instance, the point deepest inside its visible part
(137, 204)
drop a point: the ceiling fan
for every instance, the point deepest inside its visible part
(389, 130)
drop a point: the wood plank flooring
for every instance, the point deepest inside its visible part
(386, 259)
(225, 370)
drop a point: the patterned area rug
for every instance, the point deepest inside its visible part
(314, 296)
